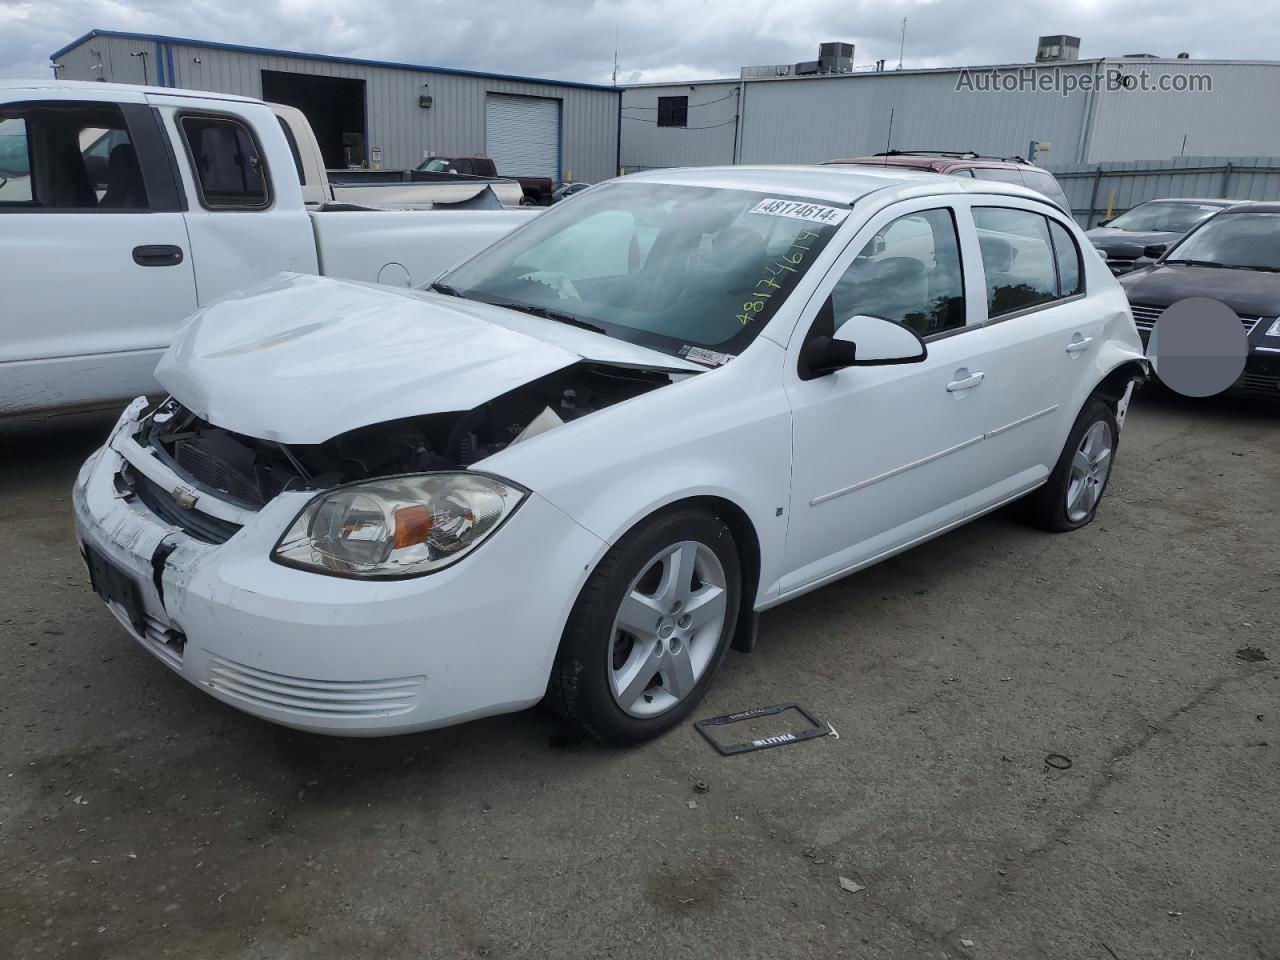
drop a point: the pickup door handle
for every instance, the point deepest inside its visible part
(157, 255)
(966, 383)
(1079, 345)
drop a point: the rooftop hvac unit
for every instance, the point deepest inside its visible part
(1057, 47)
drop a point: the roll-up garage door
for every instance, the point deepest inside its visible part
(522, 135)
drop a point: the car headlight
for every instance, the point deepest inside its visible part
(1274, 329)
(397, 526)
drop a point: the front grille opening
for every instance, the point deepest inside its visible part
(200, 526)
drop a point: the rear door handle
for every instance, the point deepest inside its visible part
(1079, 345)
(157, 255)
(966, 383)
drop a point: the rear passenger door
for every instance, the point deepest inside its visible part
(95, 266)
(246, 217)
(1041, 331)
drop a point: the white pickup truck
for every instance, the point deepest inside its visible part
(124, 209)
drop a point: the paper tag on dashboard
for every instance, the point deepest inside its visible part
(710, 358)
(799, 210)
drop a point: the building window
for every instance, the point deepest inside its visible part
(673, 111)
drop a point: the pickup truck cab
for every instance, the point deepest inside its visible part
(124, 209)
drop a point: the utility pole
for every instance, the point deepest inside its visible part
(615, 56)
(902, 44)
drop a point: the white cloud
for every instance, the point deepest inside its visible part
(657, 40)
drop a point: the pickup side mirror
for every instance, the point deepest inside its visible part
(861, 341)
(1154, 251)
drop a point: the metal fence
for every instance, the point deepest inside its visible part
(1102, 190)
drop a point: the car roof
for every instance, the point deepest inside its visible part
(834, 183)
(1254, 206)
(1215, 201)
(71, 86)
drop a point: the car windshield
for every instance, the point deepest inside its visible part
(1160, 216)
(436, 165)
(691, 271)
(1249, 241)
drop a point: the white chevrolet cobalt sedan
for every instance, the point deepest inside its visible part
(579, 465)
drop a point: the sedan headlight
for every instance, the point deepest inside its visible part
(1274, 329)
(397, 526)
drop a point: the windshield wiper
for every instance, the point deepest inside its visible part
(447, 290)
(1246, 266)
(548, 314)
(1198, 263)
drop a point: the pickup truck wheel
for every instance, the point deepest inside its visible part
(1069, 499)
(649, 630)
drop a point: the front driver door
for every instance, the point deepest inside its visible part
(885, 456)
(95, 265)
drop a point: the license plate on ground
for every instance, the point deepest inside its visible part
(115, 586)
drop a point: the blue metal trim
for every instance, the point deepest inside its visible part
(159, 66)
(326, 58)
(168, 56)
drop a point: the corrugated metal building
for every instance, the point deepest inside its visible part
(807, 120)
(547, 128)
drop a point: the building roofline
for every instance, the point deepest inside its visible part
(1219, 61)
(325, 58)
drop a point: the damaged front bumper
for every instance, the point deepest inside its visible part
(320, 653)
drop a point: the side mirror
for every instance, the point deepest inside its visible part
(861, 341)
(1154, 251)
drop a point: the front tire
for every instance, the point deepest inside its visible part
(1070, 498)
(649, 630)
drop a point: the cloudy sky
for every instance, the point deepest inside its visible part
(656, 39)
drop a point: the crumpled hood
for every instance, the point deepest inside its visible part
(300, 359)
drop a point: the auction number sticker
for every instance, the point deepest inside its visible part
(800, 210)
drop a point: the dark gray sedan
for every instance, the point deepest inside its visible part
(1123, 238)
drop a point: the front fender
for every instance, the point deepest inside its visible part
(725, 434)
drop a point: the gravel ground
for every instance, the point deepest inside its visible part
(140, 818)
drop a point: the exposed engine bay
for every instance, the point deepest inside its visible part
(251, 472)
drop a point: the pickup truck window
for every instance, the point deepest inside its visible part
(672, 267)
(230, 170)
(68, 157)
(15, 161)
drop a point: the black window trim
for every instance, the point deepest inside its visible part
(160, 180)
(1057, 301)
(182, 115)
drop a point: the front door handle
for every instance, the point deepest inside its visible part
(966, 383)
(1079, 345)
(157, 255)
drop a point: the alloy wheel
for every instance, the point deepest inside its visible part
(667, 629)
(1090, 468)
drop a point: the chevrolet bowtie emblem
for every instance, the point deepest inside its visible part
(183, 498)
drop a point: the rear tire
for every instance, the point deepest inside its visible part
(1070, 498)
(649, 630)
